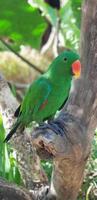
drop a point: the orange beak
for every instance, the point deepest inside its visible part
(76, 68)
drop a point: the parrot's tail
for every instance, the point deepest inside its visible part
(13, 130)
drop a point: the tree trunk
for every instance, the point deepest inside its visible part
(82, 105)
(77, 119)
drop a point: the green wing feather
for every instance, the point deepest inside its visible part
(37, 95)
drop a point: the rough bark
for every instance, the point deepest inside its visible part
(28, 161)
(12, 192)
(77, 119)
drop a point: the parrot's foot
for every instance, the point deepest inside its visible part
(55, 126)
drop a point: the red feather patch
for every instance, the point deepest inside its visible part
(43, 105)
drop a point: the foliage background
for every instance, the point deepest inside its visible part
(23, 25)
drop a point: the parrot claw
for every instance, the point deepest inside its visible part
(54, 126)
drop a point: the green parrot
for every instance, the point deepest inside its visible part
(48, 93)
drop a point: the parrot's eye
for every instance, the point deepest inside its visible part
(65, 59)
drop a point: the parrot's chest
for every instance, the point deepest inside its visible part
(58, 97)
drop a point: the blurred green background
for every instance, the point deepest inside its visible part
(38, 31)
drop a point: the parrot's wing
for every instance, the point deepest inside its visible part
(37, 97)
(43, 91)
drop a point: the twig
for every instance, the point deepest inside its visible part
(18, 85)
(21, 57)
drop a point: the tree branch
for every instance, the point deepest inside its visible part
(12, 192)
(21, 57)
(71, 151)
(28, 161)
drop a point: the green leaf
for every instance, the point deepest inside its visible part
(47, 167)
(76, 8)
(8, 164)
(6, 160)
(47, 11)
(2, 135)
(68, 27)
(2, 131)
(20, 22)
(14, 174)
(17, 177)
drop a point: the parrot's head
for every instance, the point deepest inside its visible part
(72, 63)
(68, 63)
